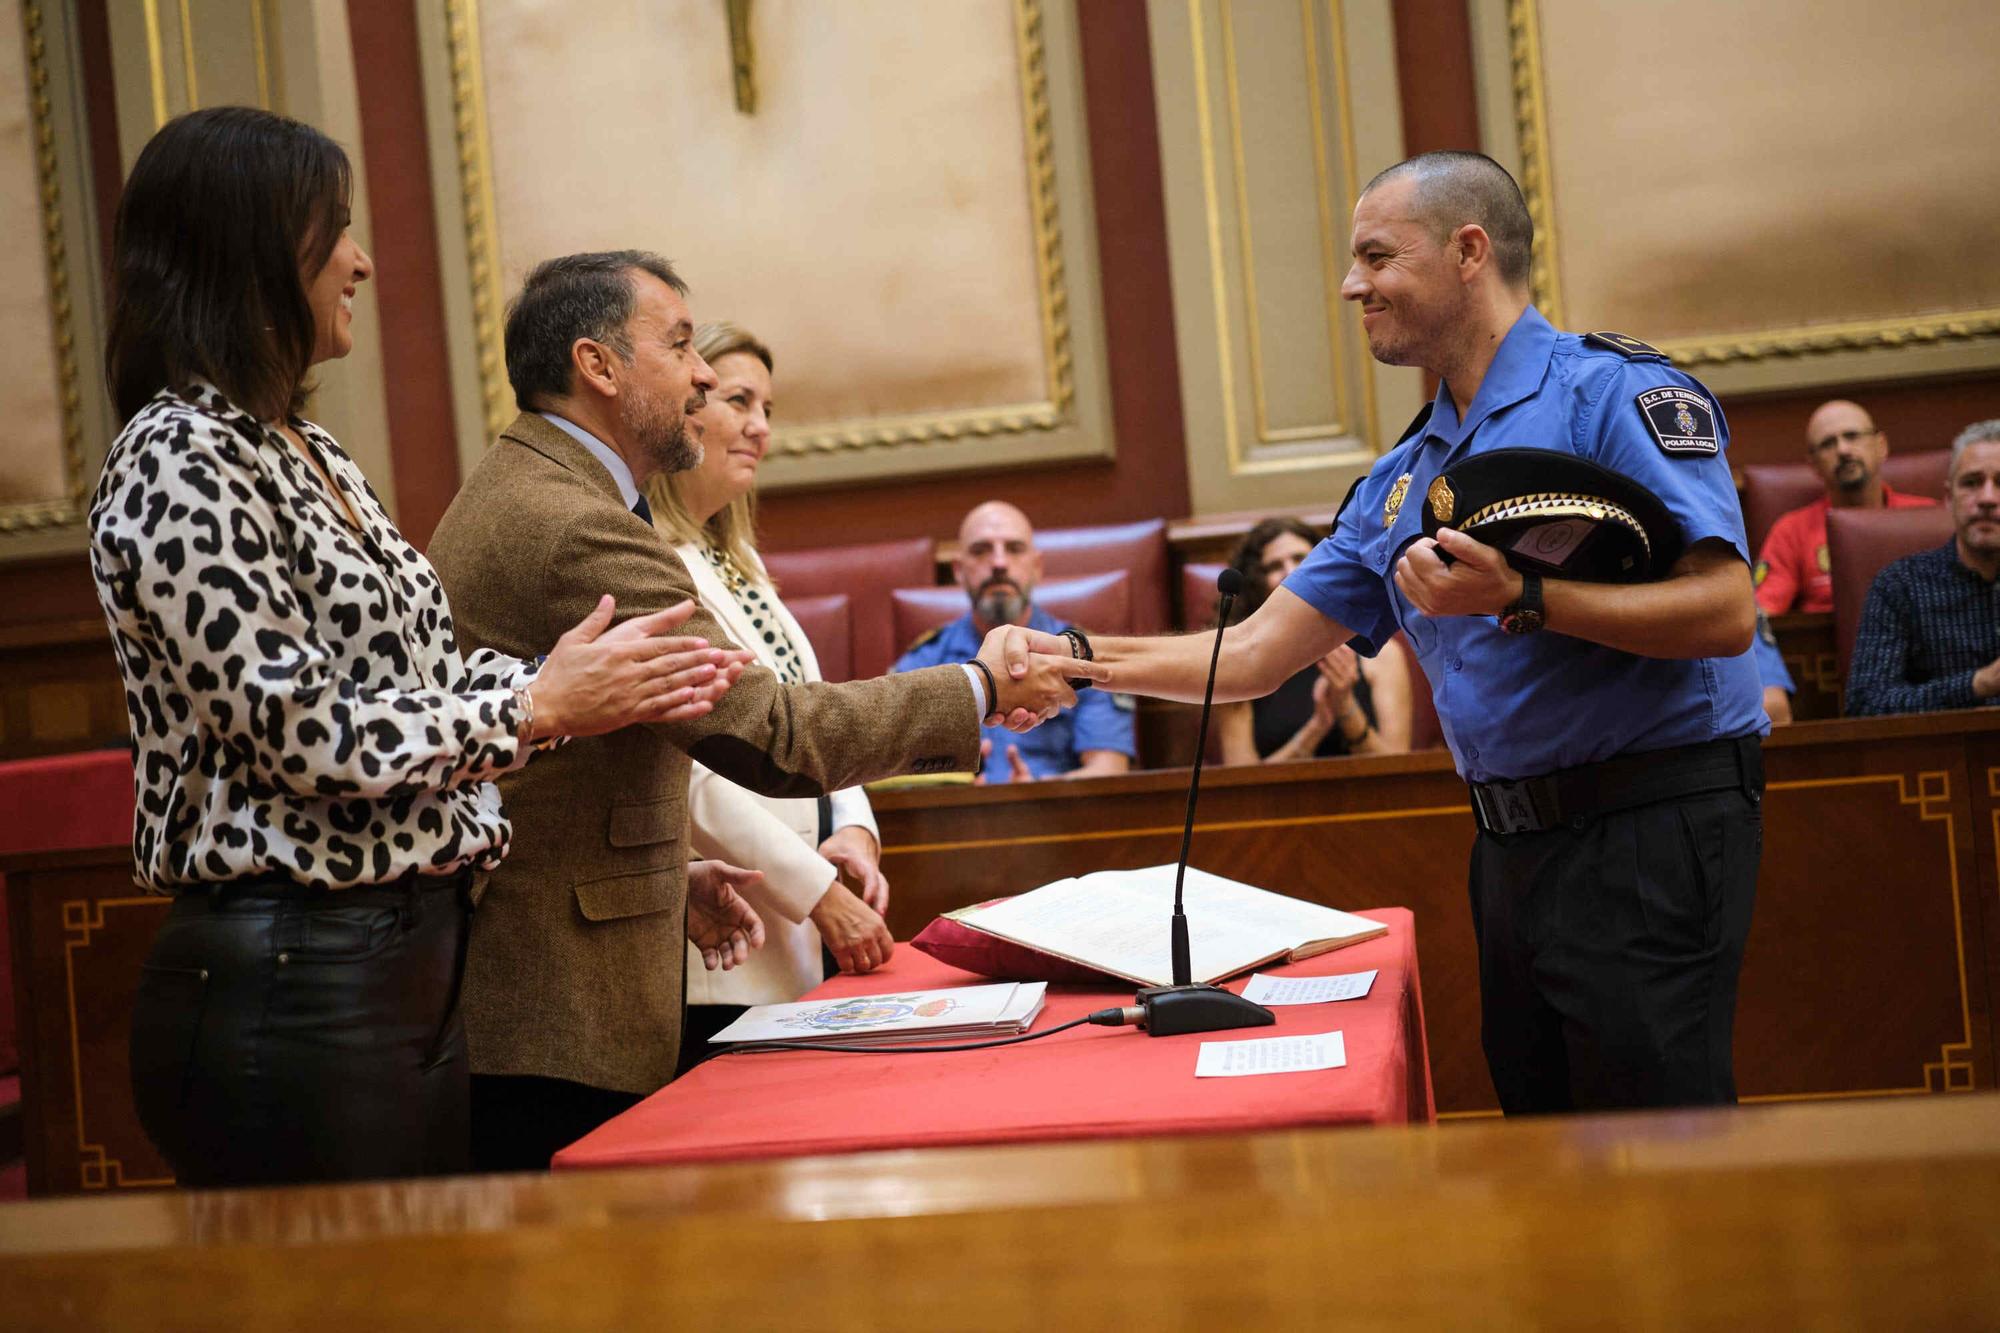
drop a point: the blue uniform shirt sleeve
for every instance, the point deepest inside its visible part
(1343, 578)
(1771, 668)
(1697, 489)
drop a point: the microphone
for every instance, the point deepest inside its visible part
(1185, 1006)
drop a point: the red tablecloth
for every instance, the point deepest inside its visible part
(1087, 1083)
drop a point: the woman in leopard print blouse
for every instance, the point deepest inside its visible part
(312, 755)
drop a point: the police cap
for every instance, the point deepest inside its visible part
(1553, 513)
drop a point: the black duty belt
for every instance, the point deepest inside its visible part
(1574, 796)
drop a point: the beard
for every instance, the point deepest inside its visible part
(661, 430)
(1851, 475)
(1000, 601)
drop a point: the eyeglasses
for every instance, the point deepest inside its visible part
(1845, 437)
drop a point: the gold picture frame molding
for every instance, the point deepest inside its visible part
(1531, 125)
(70, 508)
(855, 435)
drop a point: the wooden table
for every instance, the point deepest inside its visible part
(1868, 1215)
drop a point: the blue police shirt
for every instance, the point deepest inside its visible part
(1099, 721)
(1771, 668)
(1519, 706)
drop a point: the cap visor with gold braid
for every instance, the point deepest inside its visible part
(1553, 513)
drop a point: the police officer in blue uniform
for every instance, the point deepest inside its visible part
(1609, 733)
(998, 567)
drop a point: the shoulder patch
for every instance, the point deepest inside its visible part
(927, 636)
(1764, 630)
(1682, 422)
(1626, 345)
(1758, 573)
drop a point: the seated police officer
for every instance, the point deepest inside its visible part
(998, 566)
(1609, 730)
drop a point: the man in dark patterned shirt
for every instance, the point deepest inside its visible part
(1929, 638)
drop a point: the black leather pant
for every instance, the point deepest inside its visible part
(284, 1035)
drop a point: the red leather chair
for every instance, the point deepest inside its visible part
(866, 574)
(1098, 603)
(1198, 595)
(1772, 490)
(1859, 543)
(1139, 549)
(1921, 473)
(829, 624)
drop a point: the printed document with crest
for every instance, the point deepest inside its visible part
(1116, 921)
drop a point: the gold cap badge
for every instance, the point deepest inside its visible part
(1442, 500)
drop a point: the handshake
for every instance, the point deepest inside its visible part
(1038, 678)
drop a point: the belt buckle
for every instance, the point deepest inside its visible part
(1498, 805)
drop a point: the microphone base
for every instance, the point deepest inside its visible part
(1173, 1010)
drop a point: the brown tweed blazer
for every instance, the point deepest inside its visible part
(574, 969)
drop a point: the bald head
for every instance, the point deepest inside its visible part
(1846, 450)
(997, 563)
(1453, 189)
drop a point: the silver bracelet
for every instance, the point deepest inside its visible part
(524, 730)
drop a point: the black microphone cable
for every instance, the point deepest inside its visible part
(1115, 1017)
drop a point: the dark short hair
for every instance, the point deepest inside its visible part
(1248, 560)
(225, 212)
(577, 296)
(1455, 188)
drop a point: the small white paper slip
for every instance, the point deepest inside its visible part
(1271, 1055)
(1308, 990)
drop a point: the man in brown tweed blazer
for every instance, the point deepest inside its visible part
(573, 984)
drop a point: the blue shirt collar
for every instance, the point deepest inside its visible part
(603, 453)
(1517, 371)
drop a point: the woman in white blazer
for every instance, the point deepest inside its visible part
(803, 846)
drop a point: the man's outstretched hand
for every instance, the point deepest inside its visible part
(1033, 671)
(720, 921)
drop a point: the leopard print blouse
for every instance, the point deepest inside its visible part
(298, 703)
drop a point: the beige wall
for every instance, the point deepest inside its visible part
(1270, 114)
(1779, 193)
(904, 217)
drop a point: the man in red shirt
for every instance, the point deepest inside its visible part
(1845, 448)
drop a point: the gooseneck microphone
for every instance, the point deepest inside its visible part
(1185, 1006)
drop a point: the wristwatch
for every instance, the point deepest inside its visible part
(1525, 615)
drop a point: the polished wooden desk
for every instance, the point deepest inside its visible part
(1876, 938)
(1873, 1214)
(1877, 924)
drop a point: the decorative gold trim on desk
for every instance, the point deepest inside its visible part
(1929, 791)
(1545, 283)
(1218, 826)
(71, 507)
(81, 918)
(475, 156)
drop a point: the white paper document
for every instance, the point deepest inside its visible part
(1116, 921)
(1265, 989)
(1271, 1055)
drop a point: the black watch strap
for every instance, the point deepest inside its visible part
(1525, 615)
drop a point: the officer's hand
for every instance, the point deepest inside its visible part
(1032, 670)
(1478, 582)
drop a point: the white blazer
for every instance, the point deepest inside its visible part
(779, 837)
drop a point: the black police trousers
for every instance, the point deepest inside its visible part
(285, 1035)
(1609, 952)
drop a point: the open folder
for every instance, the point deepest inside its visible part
(1116, 921)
